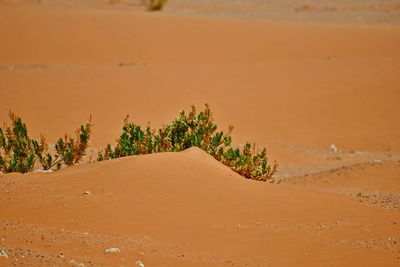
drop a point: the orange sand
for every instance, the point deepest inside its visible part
(294, 88)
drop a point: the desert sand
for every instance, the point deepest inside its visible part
(293, 80)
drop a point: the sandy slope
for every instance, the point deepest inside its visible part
(295, 88)
(189, 202)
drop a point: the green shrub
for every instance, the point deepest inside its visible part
(250, 163)
(18, 152)
(43, 155)
(188, 130)
(16, 148)
(70, 150)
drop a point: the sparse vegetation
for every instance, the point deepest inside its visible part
(71, 150)
(188, 130)
(16, 148)
(154, 5)
(19, 152)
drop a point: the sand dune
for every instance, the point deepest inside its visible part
(190, 200)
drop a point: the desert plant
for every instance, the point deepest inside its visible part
(18, 152)
(42, 153)
(193, 129)
(69, 150)
(16, 148)
(249, 162)
(188, 130)
(154, 5)
(133, 141)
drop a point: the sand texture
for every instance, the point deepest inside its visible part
(293, 77)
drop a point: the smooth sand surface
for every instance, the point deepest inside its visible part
(295, 88)
(310, 85)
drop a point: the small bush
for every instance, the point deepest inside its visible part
(71, 150)
(16, 148)
(250, 163)
(18, 152)
(188, 130)
(154, 5)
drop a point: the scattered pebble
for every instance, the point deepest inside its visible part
(141, 264)
(3, 253)
(333, 148)
(377, 161)
(112, 250)
(77, 263)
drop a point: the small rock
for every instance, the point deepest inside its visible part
(79, 264)
(3, 253)
(87, 193)
(112, 250)
(333, 148)
(377, 161)
(141, 264)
